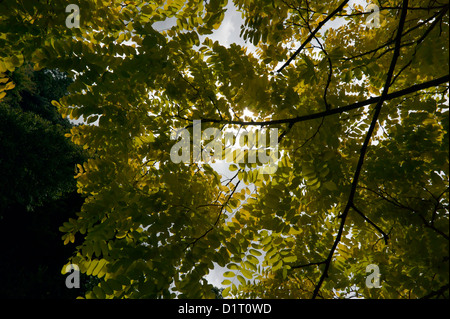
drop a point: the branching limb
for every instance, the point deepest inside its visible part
(339, 110)
(222, 207)
(437, 293)
(312, 34)
(431, 226)
(385, 236)
(420, 40)
(330, 65)
(390, 41)
(280, 138)
(364, 147)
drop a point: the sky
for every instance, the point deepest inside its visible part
(226, 34)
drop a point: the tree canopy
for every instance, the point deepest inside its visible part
(37, 189)
(37, 160)
(362, 115)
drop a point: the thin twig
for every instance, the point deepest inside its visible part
(385, 236)
(312, 34)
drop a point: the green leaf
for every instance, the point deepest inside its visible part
(114, 284)
(241, 279)
(91, 267)
(226, 282)
(233, 266)
(226, 292)
(330, 185)
(98, 292)
(255, 252)
(98, 268)
(228, 274)
(252, 259)
(266, 240)
(106, 288)
(290, 259)
(247, 274)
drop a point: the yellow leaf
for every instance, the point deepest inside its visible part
(228, 274)
(56, 103)
(9, 86)
(99, 267)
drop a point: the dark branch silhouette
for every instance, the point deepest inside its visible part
(312, 34)
(356, 176)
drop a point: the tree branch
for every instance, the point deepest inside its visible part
(393, 40)
(330, 65)
(339, 110)
(421, 39)
(312, 34)
(364, 147)
(309, 264)
(431, 226)
(385, 236)
(437, 293)
(222, 207)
